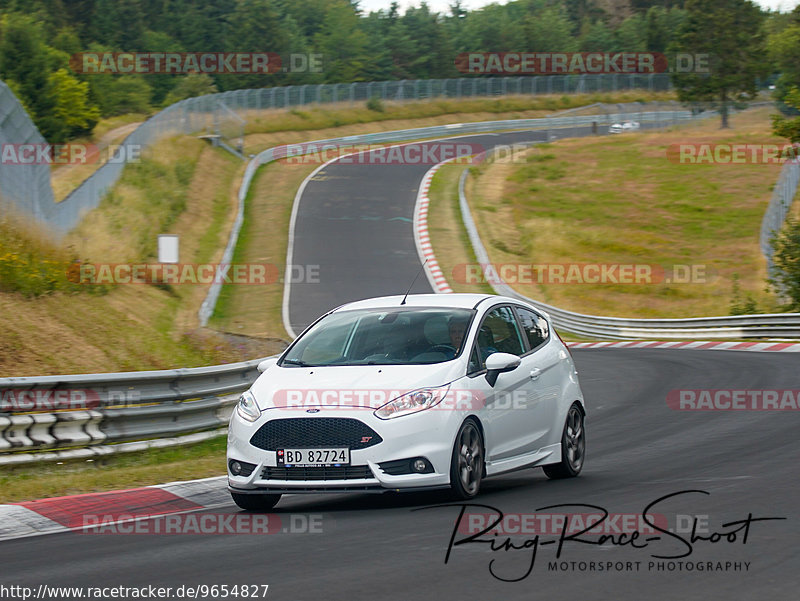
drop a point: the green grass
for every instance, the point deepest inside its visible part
(114, 472)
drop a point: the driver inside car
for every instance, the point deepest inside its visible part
(457, 329)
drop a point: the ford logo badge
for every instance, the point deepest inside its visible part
(312, 410)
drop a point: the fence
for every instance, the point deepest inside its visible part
(779, 206)
(26, 186)
(215, 115)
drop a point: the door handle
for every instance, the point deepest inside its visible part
(535, 373)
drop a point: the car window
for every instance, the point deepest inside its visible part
(382, 337)
(499, 334)
(474, 362)
(534, 326)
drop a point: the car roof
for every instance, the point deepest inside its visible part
(455, 300)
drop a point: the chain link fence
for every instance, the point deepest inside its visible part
(24, 186)
(780, 205)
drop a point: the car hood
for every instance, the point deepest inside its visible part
(345, 386)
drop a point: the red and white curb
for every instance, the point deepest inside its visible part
(786, 347)
(422, 236)
(75, 513)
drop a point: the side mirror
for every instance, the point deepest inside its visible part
(266, 364)
(500, 363)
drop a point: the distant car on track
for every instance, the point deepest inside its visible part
(399, 394)
(625, 126)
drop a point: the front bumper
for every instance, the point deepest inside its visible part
(429, 434)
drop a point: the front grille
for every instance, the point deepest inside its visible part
(313, 432)
(329, 472)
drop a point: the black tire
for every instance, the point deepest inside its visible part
(467, 465)
(573, 447)
(255, 502)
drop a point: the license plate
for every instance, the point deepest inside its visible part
(313, 457)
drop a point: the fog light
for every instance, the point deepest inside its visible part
(420, 466)
(236, 468)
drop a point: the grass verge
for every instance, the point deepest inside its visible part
(116, 472)
(621, 201)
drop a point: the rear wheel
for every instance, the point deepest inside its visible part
(466, 466)
(573, 447)
(255, 502)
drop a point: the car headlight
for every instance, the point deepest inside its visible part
(412, 402)
(248, 408)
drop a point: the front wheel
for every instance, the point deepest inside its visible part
(255, 502)
(466, 466)
(573, 447)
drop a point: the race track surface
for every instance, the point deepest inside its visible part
(378, 547)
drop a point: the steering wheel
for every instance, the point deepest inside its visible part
(442, 348)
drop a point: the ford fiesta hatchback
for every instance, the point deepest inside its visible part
(408, 393)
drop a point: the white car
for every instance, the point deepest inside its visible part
(625, 126)
(407, 393)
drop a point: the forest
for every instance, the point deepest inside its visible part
(38, 38)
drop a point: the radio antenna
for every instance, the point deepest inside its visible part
(403, 302)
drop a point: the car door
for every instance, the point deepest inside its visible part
(505, 429)
(543, 365)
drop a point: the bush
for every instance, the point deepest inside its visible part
(375, 104)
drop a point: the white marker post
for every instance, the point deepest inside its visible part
(168, 246)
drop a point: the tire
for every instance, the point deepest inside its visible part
(255, 502)
(467, 465)
(573, 447)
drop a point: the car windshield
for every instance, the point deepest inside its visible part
(400, 336)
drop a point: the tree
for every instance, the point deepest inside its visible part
(342, 43)
(194, 84)
(728, 32)
(786, 257)
(72, 105)
(549, 31)
(784, 51)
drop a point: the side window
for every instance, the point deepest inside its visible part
(534, 325)
(474, 362)
(499, 334)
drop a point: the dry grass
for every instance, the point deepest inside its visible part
(66, 177)
(133, 327)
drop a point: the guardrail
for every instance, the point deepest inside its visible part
(776, 325)
(100, 411)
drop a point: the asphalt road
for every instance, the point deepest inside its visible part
(354, 224)
(378, 547)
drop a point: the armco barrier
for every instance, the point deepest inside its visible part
(120, 407)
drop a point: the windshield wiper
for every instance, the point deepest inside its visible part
(297, 362)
